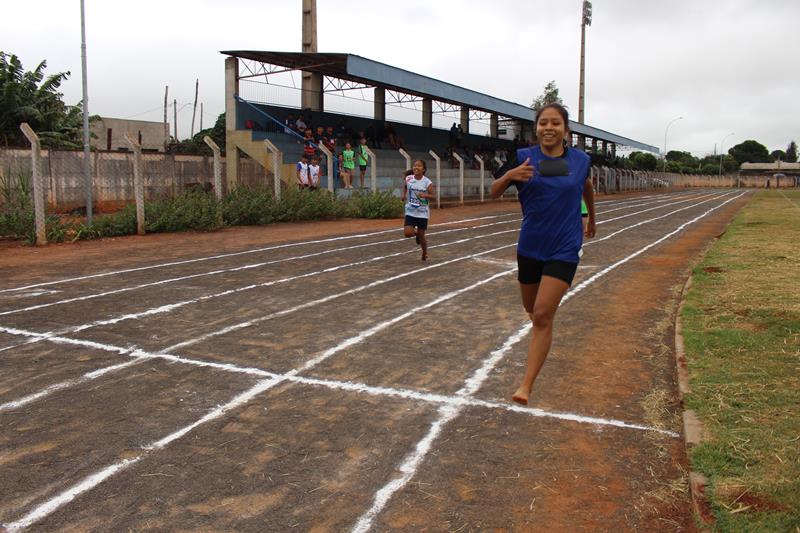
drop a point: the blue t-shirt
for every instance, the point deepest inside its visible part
(551, 205)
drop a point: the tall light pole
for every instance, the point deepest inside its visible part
(586, 20)
(87, 164)
(722, 152)
(664, 168)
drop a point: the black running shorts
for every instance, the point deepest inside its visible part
(531, 271)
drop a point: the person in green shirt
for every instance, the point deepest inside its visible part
(363, 158)
(348, 164)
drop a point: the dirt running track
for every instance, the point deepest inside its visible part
(320, 377)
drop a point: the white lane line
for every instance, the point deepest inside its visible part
(447, 413)
(408, 467)
(232, 269)
(595, 241)
(167, 308)
(143, 355)
(466, 401)
(657, 201)
(248, 323)
(422, 396)
(233, 254)
(89, 376)
(257, 250)
(654, 208)
(93, 480)
(170, 307)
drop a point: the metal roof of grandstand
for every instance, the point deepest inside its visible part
(359, 69)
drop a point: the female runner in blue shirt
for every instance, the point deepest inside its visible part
(551, 179)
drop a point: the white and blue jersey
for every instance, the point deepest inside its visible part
(415, 206)
(551, 222)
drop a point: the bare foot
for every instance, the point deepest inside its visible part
(521, 396)
(424, 256)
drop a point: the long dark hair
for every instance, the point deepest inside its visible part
(562, 110)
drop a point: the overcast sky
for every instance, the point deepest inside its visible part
(724, 65)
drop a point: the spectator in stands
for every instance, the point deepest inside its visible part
(550, 240)
(319, 135)
(313, 173)
(302, 172)
(453, 136)
(290, 124)
(301, 125)
(374, 134)
(330, 139)
(363, 158)
(309, 146)
(392, 136)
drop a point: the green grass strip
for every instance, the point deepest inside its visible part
(741, 326)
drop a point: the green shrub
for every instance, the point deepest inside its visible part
(195, 210)
(376, 205)
(248, 206)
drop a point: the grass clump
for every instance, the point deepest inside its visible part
(742, 334)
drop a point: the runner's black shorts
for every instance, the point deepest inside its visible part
(531, 271)
(421, 223)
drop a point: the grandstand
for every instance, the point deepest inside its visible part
(261, 95)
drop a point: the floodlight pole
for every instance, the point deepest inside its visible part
(87, 164)
(586, 20)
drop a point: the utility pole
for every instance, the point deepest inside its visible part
(175, 118)
(194, 108)
(87, 163)
(166, 125)
(201, 116)
(586, 20)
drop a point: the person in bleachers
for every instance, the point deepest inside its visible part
(301, 125)
(313, 173)
(290, 124)
(301, 171)
(363, 158)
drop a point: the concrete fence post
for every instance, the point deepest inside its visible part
(483, 178)
(329, 159)
(138, 183)
(407, 158)
(460, 177)
(277, 160)
(438, 178)
(38, 189)
(373, 168)
(217, 166)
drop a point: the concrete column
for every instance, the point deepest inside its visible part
(427, 113)
(231, 152)
(380, 104)
(493, 125)
(605, 148)
(312, 91)
(613, 150)
(582, 142)
(312, 82)
(594, 146)
(465, 118)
